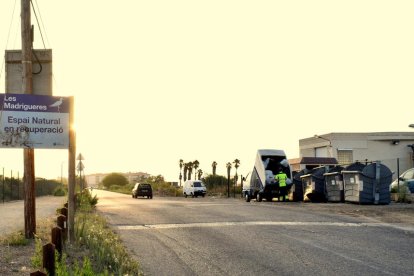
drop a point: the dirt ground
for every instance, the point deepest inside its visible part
(392, 213)
(15, 260)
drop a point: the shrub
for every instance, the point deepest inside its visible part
(114, 179)
(107, 250)
(215, 181)
(85, 200)
(403, 194)
(160, 187)
(59, 192)
(15, 239)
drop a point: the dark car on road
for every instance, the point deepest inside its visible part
(142, 189)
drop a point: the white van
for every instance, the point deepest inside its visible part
(194, 188)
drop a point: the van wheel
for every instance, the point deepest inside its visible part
(192, 195)
(185, 195)
(247, 197)
(258, 197)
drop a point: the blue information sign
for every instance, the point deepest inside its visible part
(34, 121)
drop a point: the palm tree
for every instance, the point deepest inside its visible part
(185, 171)
(181, 163)
(190, 169)
(236, 165)
(195, 166)
(200, 173)
(214, 165)
(228, 166)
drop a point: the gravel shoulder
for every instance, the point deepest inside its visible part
(401, 213)
(16, 260)
(12, 213)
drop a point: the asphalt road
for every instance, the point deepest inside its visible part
(213, 236)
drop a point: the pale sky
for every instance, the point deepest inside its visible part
(159, 81)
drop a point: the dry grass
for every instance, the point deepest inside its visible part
(16, 252)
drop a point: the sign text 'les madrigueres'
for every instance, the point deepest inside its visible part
(34, 121)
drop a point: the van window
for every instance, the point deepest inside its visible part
(197, 184)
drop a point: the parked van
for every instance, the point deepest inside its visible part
(194, 188)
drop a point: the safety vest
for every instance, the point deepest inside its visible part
(281, 177)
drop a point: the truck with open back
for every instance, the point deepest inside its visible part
(262, 184)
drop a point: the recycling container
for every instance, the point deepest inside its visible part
(334, 185)
(296, 191)
(314, 185)
(367, 184)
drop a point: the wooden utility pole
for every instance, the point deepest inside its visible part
(71, 174)
(27, 88)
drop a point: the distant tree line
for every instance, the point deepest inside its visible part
(13, 188)
(213, 181)
(118, 183)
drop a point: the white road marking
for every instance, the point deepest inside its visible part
(404, 227)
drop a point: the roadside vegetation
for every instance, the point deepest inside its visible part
(216, 185)
(13, 189)
(97, 250)
(118, 183)
(403, 195)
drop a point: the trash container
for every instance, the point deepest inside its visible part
(378, 178)
(296, 191)
(314, 185)
(353, 182)
(334, 185)
(367, 184)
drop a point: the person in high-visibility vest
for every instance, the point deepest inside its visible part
(281, 177)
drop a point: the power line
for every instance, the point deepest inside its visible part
(43, 25)
(7, 41)
(38, 25)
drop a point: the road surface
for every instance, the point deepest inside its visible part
(12, 213)
(213, 236)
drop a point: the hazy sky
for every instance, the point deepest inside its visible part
(159, 81)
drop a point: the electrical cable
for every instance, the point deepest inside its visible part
(7, 41)
(38, 25)
(38, 62)
(43, 25)
(47, 39)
